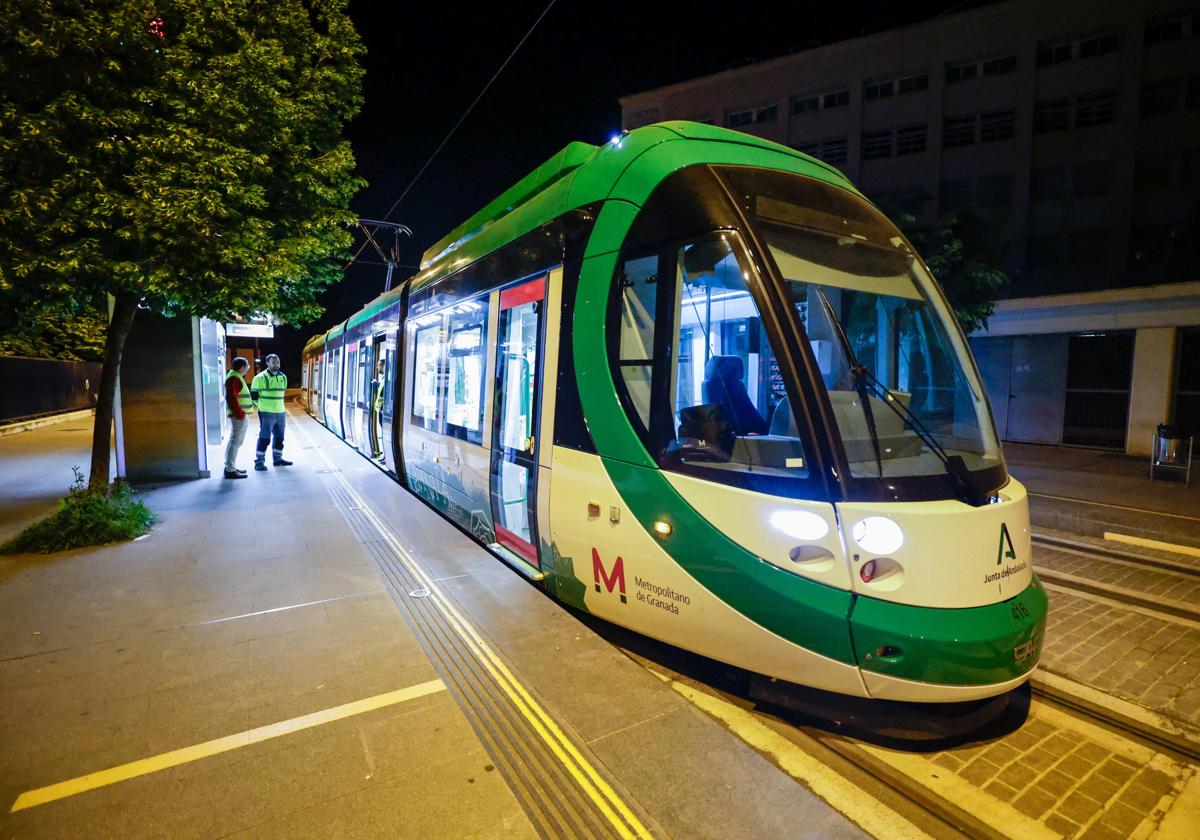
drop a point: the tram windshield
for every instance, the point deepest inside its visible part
(904, 392)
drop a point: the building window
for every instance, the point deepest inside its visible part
(833, 99)
(911, 140)
(963, 71)
(1098, 45)
(993, 191)
(999, 66)
(958, 131)
(876, 144)
(1154, 173)
(766, 114)
(881, 88)
(737, 119)
(996, 125)
(878, 90)
(1049, 183)
(836, 99)
(1051, 115)
(1049, 54)
(1171, 28)
(805, 105)
(834, 151)
(1095, 109)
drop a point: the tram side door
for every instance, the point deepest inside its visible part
(519, 350)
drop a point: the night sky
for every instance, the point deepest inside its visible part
(426, 62)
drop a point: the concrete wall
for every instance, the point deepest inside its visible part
(1153, 384)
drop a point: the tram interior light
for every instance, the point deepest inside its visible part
(799, 524)
(878, 535)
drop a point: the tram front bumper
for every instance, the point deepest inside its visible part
(980, 650)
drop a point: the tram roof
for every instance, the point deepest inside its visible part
(579, 174)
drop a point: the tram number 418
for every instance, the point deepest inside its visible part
(1019, 611)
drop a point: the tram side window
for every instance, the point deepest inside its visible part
(730, 404)
(697, 367)
(427, 377)
(333, 375)
(638, 281)
(364, 377)
(465, 370)
(389, 381)
(351, 361)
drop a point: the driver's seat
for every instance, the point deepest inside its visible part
(723, 384)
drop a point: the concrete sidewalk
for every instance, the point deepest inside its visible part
(250, 604)
(1089, 491)
(273, 602)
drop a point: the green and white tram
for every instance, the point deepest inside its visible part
(692, 382)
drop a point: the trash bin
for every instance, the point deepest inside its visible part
(1172, 450)
(1170, 445)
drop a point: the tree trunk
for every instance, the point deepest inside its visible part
(124, 309)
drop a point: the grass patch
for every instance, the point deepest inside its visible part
(85, 517)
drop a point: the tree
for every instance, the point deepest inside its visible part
(184, 156)
(73, 330)
(963, 258)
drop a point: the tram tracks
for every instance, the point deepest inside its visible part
(1091, 585)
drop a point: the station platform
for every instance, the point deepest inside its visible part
(1096, 492)
(312, 652)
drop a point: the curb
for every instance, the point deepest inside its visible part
(50, 420)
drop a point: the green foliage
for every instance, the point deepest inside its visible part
(85, 517)
(67, 331)
(201, 170)
(961, 254)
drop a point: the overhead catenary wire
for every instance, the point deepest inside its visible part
(462, 118)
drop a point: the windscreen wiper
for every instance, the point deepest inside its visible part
(860, 374)
(954, 465)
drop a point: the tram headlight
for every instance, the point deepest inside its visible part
(799, 524)
(878, 535)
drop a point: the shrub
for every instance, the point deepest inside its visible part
(86, 517)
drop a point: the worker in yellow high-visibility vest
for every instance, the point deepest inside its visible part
(238, 404)
(268, 389)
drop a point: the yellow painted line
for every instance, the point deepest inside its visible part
(869, 813)
(142, 767)
(1128, 539)
(606, 799)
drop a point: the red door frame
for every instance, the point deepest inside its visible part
(510, 298)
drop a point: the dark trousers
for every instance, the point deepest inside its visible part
(270, 426)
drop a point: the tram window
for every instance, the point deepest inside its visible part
(728, 397)
(364, 377)
(351, 360)
(389, 381)
(332, 379)
(465, 370)
(639, 288)
(427, 376)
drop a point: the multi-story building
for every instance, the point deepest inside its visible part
(1072, 129)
